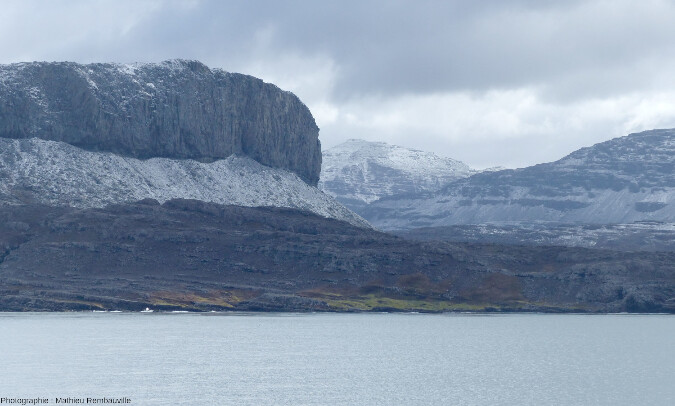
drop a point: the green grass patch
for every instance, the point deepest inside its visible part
(220, 298)
(374, 303)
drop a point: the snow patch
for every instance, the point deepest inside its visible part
(368, 171)
(57, 173)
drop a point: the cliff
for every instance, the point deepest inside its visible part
(175, 109)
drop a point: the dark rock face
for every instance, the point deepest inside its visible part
(193, 255)
(639, 236)
(175, 109)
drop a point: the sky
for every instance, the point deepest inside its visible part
(491, 82)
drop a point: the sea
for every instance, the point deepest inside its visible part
(336, 359)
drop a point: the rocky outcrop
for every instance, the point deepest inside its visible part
(191, 255)
(638, 236)
(175, 109)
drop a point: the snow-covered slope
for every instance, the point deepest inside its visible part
(623, 180)
(56, 173)
(359, 172)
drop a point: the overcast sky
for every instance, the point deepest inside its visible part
(491, 82)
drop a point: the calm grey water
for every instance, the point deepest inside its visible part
(340, 359)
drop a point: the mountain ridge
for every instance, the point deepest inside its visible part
(622, 180)
(359, 172)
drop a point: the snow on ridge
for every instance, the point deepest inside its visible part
(133, 68)
(128, 69)
(626, 179)
(367, 171)
(57, 173)
(397, 157)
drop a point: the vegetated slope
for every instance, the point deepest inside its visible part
(623, 180)
(59, 174)
(187, 254)
(358, 172)
(174, 109)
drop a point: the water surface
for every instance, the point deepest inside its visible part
(340, 359)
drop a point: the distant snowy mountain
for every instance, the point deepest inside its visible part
(359, 172)
(56, 173)
(623, 180)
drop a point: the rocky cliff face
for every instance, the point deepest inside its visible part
(175, 109)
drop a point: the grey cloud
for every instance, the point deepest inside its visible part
(398, 47)
(563, 55)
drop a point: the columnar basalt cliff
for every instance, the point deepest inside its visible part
(175, 109)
